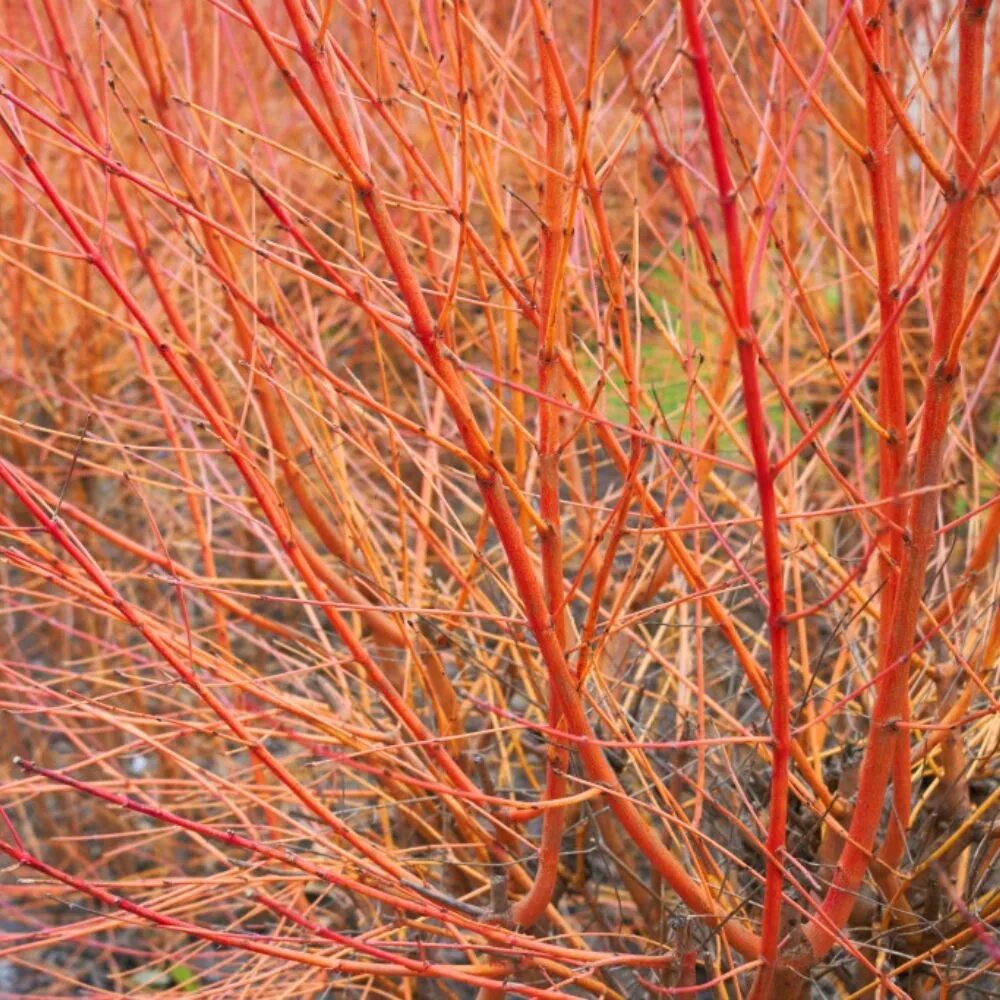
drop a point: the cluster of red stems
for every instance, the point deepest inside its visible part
(499, 499)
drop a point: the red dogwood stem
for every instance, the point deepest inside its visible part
(890, 701)
(757, 430)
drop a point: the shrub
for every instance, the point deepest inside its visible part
(500, 499)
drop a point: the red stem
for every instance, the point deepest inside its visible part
(890, 702)
(391, 966)
(531, 907)
(757, 431)
(881, 163)
(466, 919)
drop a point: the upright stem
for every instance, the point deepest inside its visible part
(528, 909)
(757, 431)
(881, 163)
(891, 689)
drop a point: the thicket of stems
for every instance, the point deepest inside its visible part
(499, 500)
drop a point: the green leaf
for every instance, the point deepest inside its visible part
(185, 977)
